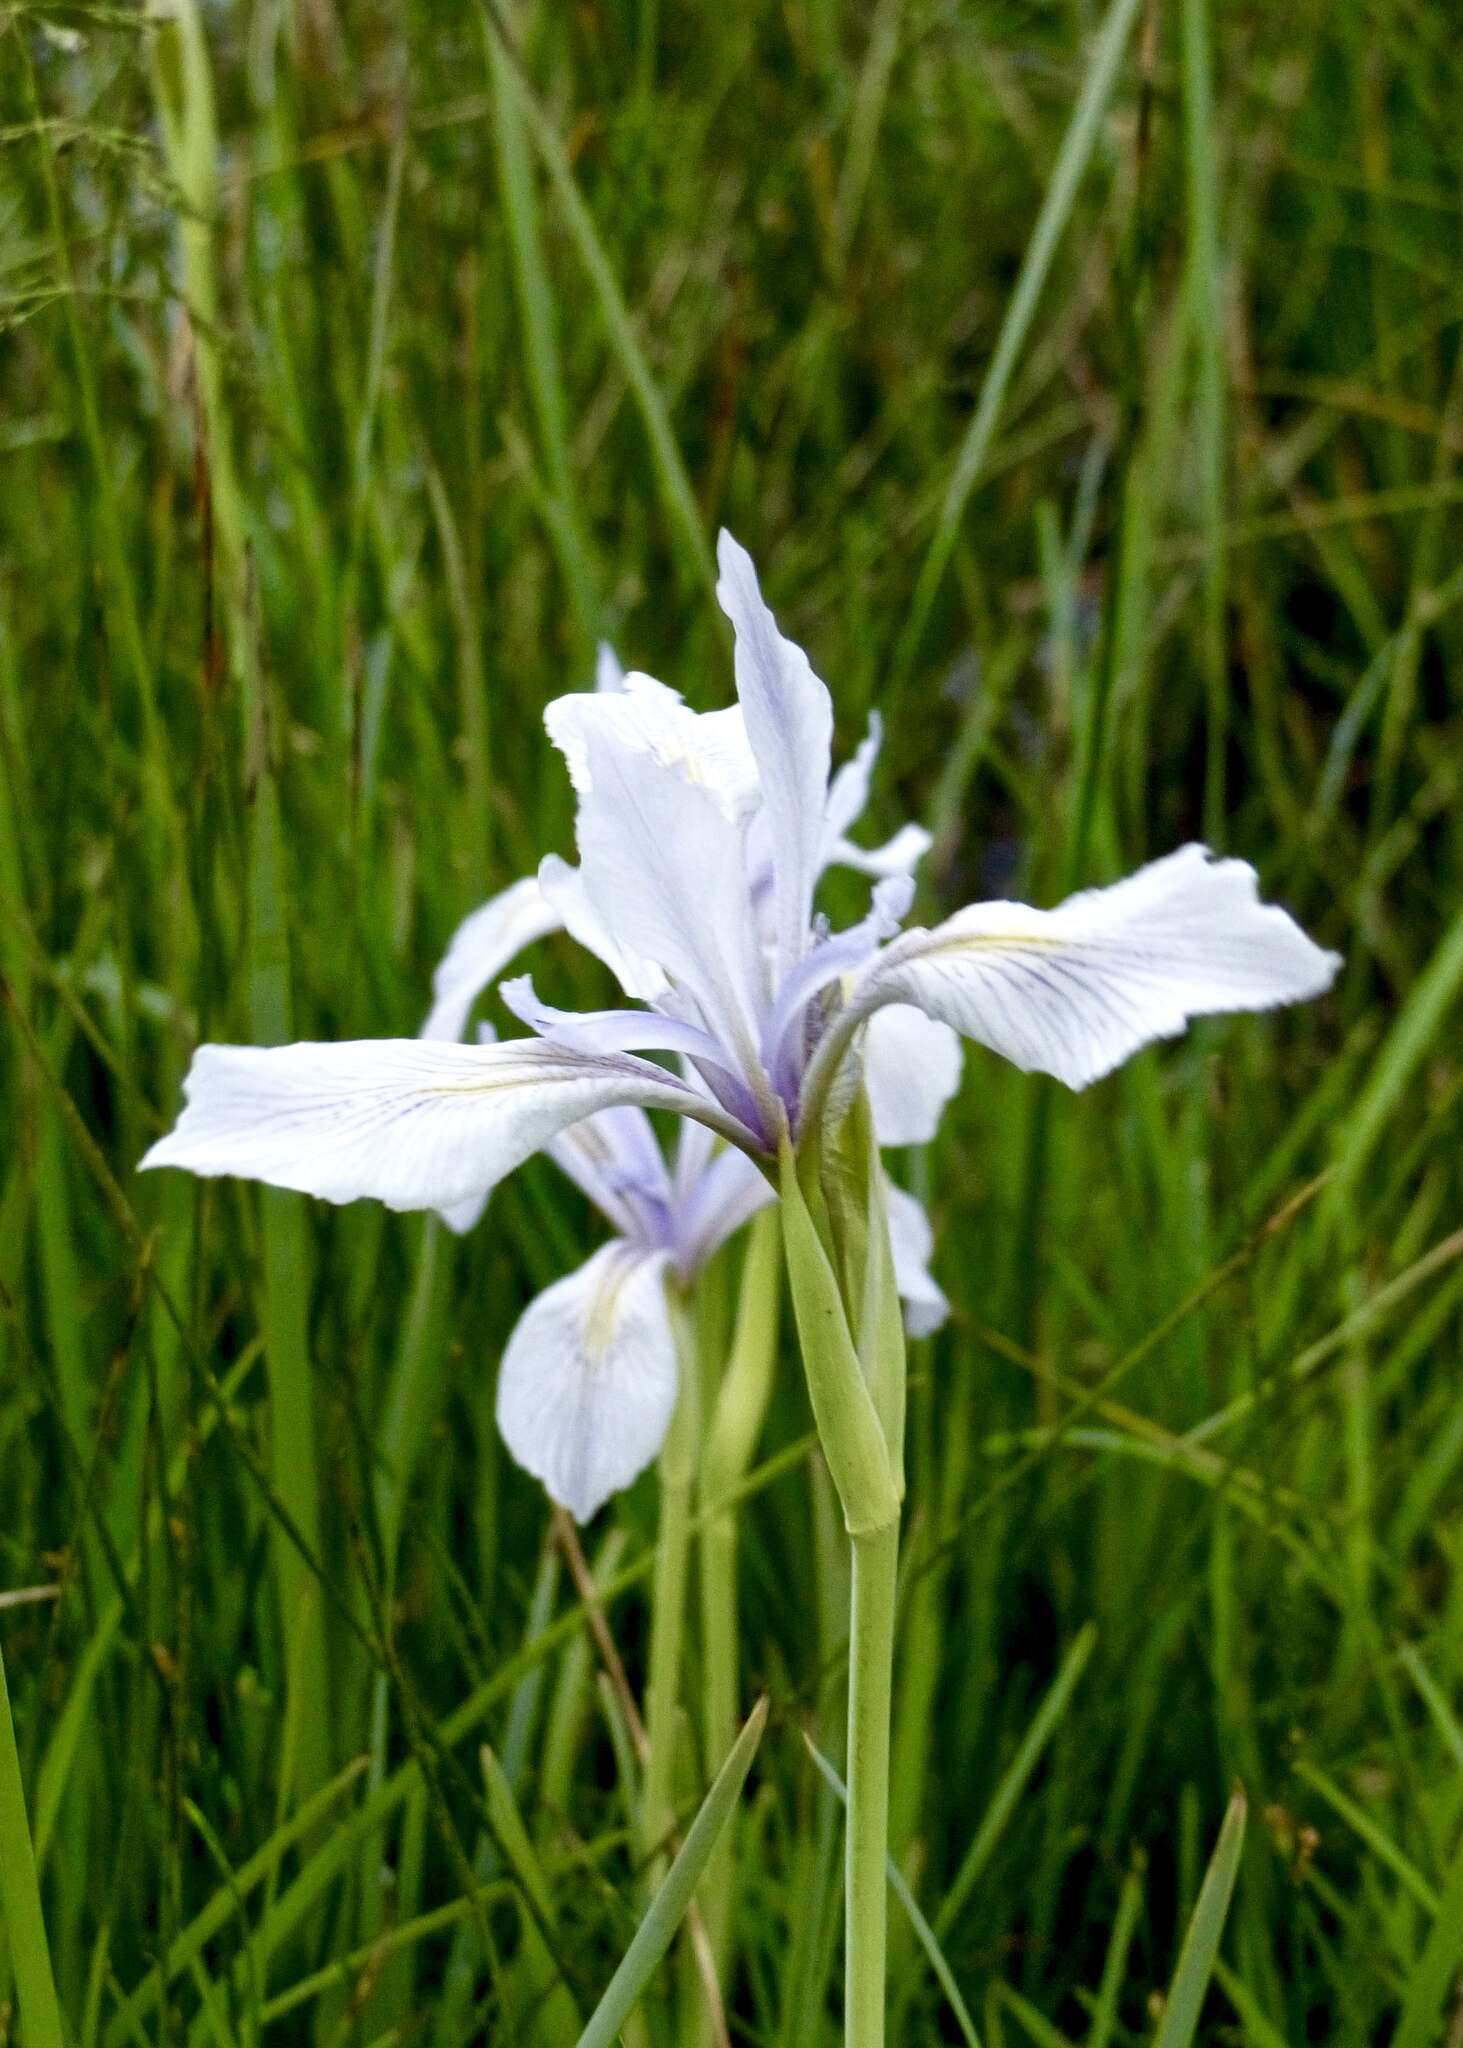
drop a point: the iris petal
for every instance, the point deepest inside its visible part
(588, 1381)
(412, 1123)
(1076, 990)
(789, 721)
(481, 947)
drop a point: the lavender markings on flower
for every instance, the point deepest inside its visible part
(701, 842)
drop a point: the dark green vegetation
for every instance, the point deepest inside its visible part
(349, 396)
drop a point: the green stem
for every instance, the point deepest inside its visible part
(871, 1662)
(20, 1896)
(668, 1598)
(739, 1410)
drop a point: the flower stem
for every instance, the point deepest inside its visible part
(871, 1659)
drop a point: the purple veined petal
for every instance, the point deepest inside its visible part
(843, 954)
(725, 1196)
(663, 869)
(643, 716)
(600, 1031)
(900, 855)
(911, 1069)
(789, 721)
(1075, 991)
(614, 1159)
(912, 1242)
(461, 1217)
(414, 1123)
(481, 947)
(564, 891)
(695, 1150)
(589, 1376)
(608, 672)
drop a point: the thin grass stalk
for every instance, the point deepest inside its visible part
(30, 1955)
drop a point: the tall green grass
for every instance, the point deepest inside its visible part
(1086, 382)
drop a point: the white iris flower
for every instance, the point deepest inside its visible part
(701, 842)
(589, 1377)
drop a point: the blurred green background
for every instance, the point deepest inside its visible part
(1087, 387)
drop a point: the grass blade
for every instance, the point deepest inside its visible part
(1433, 1975)
(998, 1813)
(1056, 208)
(668, 1908)
(1201, 1943)
(669, 468)
(30, 1955)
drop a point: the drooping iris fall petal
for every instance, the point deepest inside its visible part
(588, 1381)
(411, 1122)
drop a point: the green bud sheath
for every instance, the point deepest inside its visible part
(848, 1424)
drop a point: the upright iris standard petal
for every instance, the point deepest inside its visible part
(663, 869)
(412, 1123)
(790, 726)
(912, 1242)
(834, 958)
(564, 890)
(848, 792)
(645, 717)
(481, 948)
(588, 1381)
(1074, 991)
(911, 1069)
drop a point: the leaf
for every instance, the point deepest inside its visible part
(1056, 207)
(668, 1908)
(1044, 1725)
(1201, 1943)
(1430, 1983)
(669, 467)
(30, 1956)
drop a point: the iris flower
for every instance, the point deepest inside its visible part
(590, 1373)
(701, 841)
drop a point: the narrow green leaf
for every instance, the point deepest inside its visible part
(561, 2016)
(226, 1902)
(30, 1955)
(1407, 1045)
(1201, 1943)
(1056, 208)
(1013, 1781)
(668, 1908)
(1431, 1981)
(541, 354)
(666, 456)
(1375, 1837)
